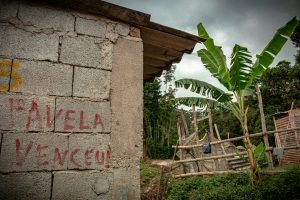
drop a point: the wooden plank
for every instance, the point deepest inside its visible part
(151, 70)
(173, 31)
(161, 53)
(166, 40)
(154, 62)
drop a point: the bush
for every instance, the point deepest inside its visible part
(284, 185)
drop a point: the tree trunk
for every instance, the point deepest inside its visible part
(249, 147)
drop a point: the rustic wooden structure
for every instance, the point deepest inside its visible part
(223, 155)
(287, 120)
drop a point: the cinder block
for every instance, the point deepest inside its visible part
(44, 78)
(87, 52)
(89, 151)
(34, 152)
(82, 116)
(42, 17)
(122, 29)
(90, 27)
(93, 83)
(26, 113)
(8, 9)
(88, 185)
(21, 44)
(25, 186)
(5, 70)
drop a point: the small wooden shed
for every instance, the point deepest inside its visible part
(289, 139)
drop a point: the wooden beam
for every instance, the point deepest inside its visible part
(166, 40)
(219, 138)
(205, 173)
(237, 138)
(211, 157)
(154, 62)
(173, 31)
(264, 127)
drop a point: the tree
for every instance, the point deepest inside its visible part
(239, 79)
(160, 115)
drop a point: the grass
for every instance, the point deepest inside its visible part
(284, 185)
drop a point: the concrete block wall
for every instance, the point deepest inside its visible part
(71, 89)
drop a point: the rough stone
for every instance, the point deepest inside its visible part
(122, 29)
(113, 37)
(25, 186)
(26, 113)
(8, 9)
(5, 70)
(33, 152)
(86, 51)
(93, 83)
(90, 27)
(43, 17)
(88, 185)
(18, 43)
(93, 151)
(83, 116)
(44, 78)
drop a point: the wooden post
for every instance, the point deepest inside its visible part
(211, 136)
(222, 146)
(264, 127)
(211, 129)
(180, 142)
(196, 151)
(186, 130)
(219, 138)
(277, 138)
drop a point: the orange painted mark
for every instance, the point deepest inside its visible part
(16, 79)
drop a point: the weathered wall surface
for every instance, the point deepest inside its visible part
(70, 105)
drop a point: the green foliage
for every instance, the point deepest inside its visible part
(259, 153)
(160, 117)
(284, 185)
(148, 172)
(239, 79)
(180, 189)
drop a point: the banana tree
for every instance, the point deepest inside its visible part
(238, 79)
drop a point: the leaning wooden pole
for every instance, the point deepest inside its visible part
(211, 129)
(264, 127)
(196, 151)
(211, 136)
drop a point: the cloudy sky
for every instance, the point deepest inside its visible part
(250, 23)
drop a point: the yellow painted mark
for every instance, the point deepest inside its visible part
(16, 79)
